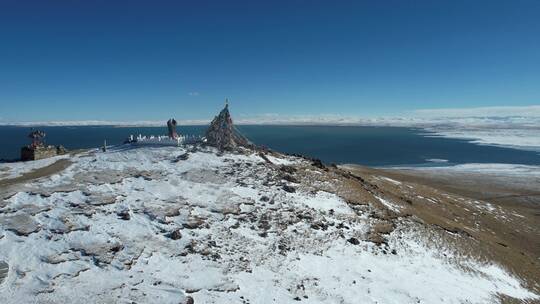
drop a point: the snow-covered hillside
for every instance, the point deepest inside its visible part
(181, 225)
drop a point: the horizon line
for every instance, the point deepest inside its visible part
(508, 114)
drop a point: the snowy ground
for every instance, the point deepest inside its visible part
(147, 225)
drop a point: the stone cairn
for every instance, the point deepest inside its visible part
(171, 127)
(222, 134)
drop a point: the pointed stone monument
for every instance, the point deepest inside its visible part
(171, 126)
(222, 134)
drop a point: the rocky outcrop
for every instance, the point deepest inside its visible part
(222, 134)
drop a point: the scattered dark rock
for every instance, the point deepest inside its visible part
(175, 235)
(116, 248)
(353, 241)
(144, 175)
(289, 189)
(342, 226)
(190, 248)
(265, 198)
(289, 178)
(268, 161)
(184, 156)
(264, 224)
(4, 270)
(376, 238)
(189, 300)
(60, 150)
(304, 215)
(319, 226)
(124, 215)
(193, 223)
(318, 163)
(287, 169)
(283, 248)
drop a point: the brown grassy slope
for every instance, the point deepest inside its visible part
(503, 230)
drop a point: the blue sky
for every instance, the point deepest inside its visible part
(149, 60)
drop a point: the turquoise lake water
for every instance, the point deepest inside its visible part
(373, 146)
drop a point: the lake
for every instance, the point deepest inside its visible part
(372, 146)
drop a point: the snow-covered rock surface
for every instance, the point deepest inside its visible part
(145, 225)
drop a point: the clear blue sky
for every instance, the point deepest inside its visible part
(133, 60)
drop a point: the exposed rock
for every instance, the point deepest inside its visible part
(4, 270)
(21, 224)
(60, 258)
(287, 169)
(101, 200)
(290, 178)
(180, 157)
(222, 133)
(161, 213)
(193, 223)
(204, 176)
(353, 241)
(101, 253)
(28, 209)
(289, 188)
(384, 227)
(124, 215)
(318, 163)
(266, 159)
(66, 223)
(175, 235)
(226, 208)
(376, 238)
(60, 150)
